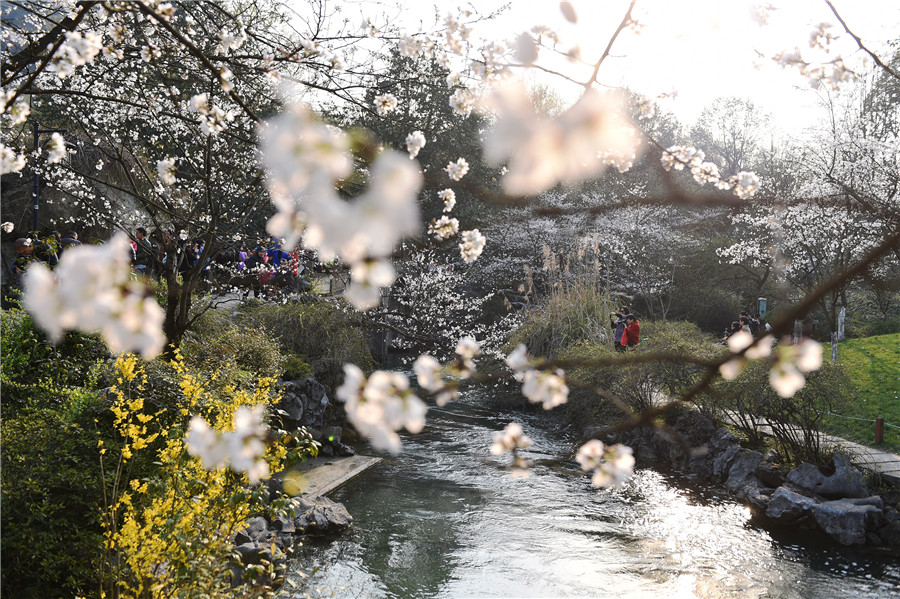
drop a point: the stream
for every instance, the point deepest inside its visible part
(445, 518)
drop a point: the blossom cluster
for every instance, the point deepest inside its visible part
(744, 185)
(213, 119)
(547, 387)
(380, 405)
(612, 464)
(512, 439)
(574, 146)
(242, 448)
(305, 158)
(788, 365)
(77, 50)
(434, 377)
(92, 289)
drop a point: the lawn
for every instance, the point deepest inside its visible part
(873, 365)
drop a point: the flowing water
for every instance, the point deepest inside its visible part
(445, 518)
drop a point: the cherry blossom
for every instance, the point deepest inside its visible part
(56, 148)
(612, 465)
(385, 103)
(166, 170)
(10, 162)
(415, 141)
(91, 289)
(545, 387)
(448, 197)
(457, 170)
(443, 227)
(242, 448)
(472, 245)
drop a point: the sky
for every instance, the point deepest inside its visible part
(696, 49)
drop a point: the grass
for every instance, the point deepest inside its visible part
(873, 365)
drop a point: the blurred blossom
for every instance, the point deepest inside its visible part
(526, 49)
(472, 245)
(91, 289)
(385, 104)
(612, 465)
(381, 405)
(10, 162)
(76, 51)
(513, 439)
(546, 387)
(7, 227)
(56, 148)
(457, 170)
(415, 141)
(230, 40)
(572, 147)
(792, 361)
(243, 448)
(518, 360)
(166, 170)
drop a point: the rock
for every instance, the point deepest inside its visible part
(767, 472)
(789, 507)
(849, 520)
(722, 439)
(807, 477)
(284, 524)
(847, 480)
(257, 530)
(740, 473)
(303, 404)
(326, 517)
(722, 463)
(250, 553)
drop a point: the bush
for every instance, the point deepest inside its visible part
(218, 341)
(33, 372)
(52, 493)
(794, 422)
(320, 332)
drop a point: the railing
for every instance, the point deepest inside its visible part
(878, 422)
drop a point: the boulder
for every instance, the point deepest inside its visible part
(848, 521)
(788, 507)
(740, 472)
(847, 480)
(722, 464)
(303, 404)
(767, 472)
(325, 517)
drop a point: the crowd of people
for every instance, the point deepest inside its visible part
(262, 269)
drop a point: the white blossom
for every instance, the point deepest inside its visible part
(472, 245)
(91, 289)
(443, 228)
(612, 465)
(545, 387)
(415, 141)
(457, 170)
(19, 112)
(448, 197)
(243, 448)
(385, 104)
(56, 148)
(230, 40)
(10, 162)
(7, 227)
(166, 170)
(510, 438)
(462, 102)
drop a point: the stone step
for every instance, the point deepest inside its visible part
(323, 475)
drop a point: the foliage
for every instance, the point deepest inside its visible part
(871, 366)
(51, 493)
(153, 519)
(34, 372)
(796, 423)
(320, 332)
(218, 341)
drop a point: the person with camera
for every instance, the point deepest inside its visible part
(617, 324)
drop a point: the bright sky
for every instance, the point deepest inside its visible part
(701, 49)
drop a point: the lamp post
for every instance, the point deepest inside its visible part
(37, 177)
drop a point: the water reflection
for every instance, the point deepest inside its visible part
(446, 519)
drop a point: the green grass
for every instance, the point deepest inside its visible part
(873, 365)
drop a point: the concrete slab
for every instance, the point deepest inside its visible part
(323, 475)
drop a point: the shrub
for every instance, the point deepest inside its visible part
(51, 493)
(794, 422)
(320, 332)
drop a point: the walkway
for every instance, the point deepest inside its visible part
(323, 475)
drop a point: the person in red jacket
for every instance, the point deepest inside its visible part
(632, 335)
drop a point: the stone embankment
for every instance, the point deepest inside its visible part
(840, 504)
(269, 540)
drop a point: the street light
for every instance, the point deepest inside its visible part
(37, 176)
